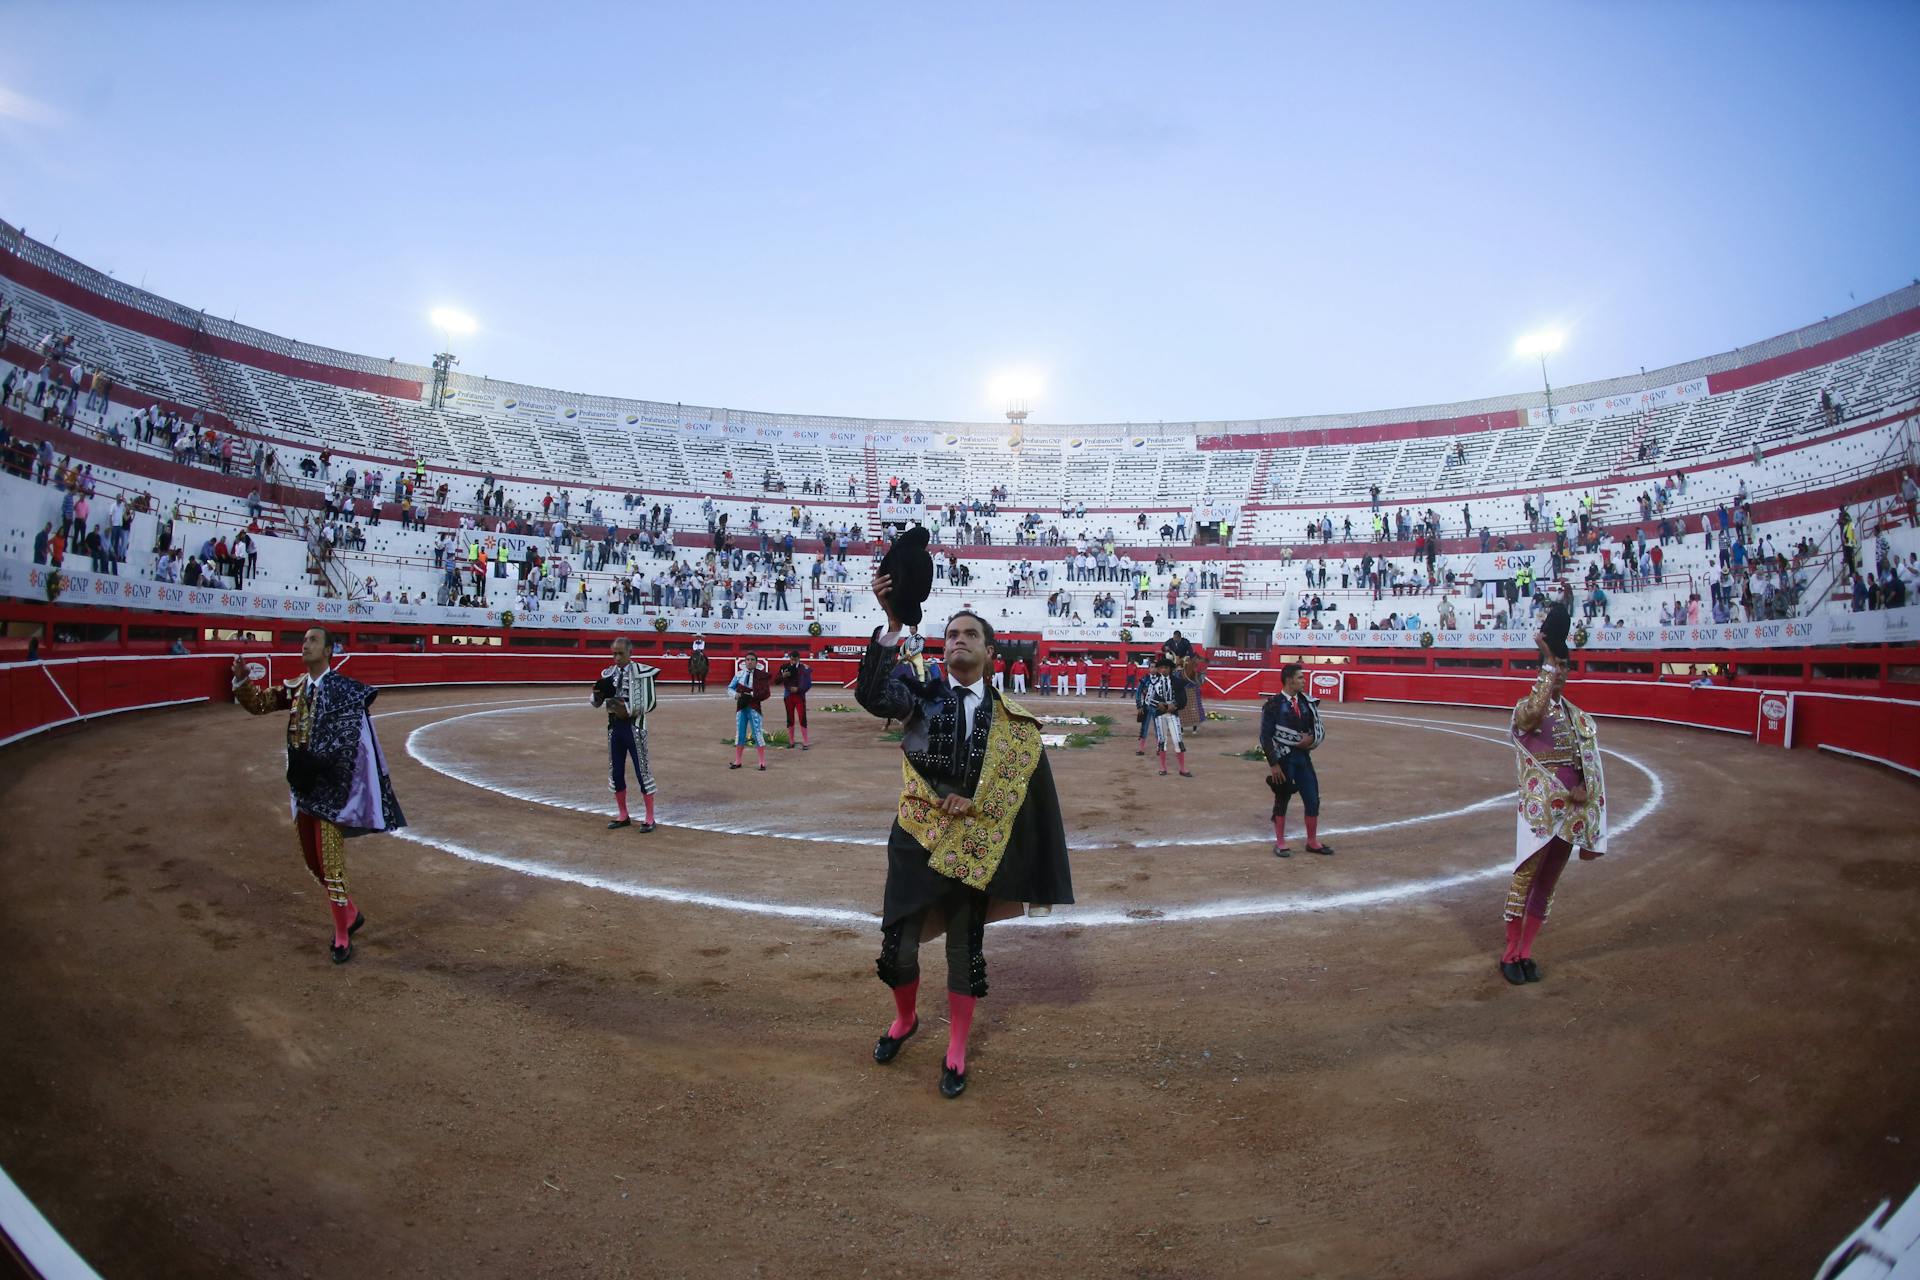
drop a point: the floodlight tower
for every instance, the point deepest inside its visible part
(1017, 417)
(1542, 345)
(449, 322)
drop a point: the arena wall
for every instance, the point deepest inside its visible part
(36, 697)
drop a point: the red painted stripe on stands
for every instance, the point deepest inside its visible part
(1847, 344)
(1305, 436)
(81, 298)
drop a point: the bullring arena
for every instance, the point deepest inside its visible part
(517, 1037)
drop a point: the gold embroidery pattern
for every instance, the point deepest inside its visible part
(333, 863)
(1545, 803)
(969, 848)
(300, 727)
(1517, 890)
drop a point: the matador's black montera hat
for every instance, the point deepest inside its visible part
(911, 568)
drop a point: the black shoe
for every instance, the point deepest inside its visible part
(1531, 969)
(645, 827)
(1512, 972)
(342, 954)
(888, 1047)
(789, 746)
(952, 1083)
(619, 822)
(1282, 851)
(763, 768)
(733, 766)
(805, 747)
(359, 918)
(1321, 848)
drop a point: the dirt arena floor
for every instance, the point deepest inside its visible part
(563, 1051)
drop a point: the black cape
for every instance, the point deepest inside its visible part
(1034, 869)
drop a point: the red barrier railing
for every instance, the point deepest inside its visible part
(38, 696)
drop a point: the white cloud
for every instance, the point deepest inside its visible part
(18, 106)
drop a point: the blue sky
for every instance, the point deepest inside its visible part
(1167, 212)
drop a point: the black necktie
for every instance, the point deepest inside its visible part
(960, 736)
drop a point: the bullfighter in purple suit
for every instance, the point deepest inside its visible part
(335, 772)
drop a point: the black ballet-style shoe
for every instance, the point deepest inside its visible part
(763, 768)
(888, 1047)
(1282, 851)
(805, 747)
(341, 954)
(1185, 774)
(952, 1083)
(1320, 848)
(617, 823)
(733, 766)
(645, 827)
(1512, 972)
(1532, 970)
(790, 746)
(359, 918)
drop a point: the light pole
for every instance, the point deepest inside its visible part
(1541, 345)
(450, 322)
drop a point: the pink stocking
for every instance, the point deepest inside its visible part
(343, 915)
(904, 999)
(960, 1011)
(1514, 943)
(648, 798)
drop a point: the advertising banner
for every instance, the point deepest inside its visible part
(1494, 566)
(1622, 404)
(21, 579)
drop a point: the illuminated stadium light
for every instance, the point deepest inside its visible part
(1014, 390)
(453, 322)
(1542, 344)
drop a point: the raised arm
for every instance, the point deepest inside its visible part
(1533, 709)
(252, 698)
(877, 689)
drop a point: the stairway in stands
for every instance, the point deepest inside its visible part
(1630, 454)
(873, 490)
(1233, 581)
(1245, 534)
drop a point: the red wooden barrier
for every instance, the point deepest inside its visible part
(36, 696)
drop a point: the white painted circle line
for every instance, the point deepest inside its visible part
(1225, 909)
(418, 748)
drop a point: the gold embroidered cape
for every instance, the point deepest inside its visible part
(1546, 809)
(968, 848)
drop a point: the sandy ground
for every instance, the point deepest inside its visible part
(1217, 1063)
